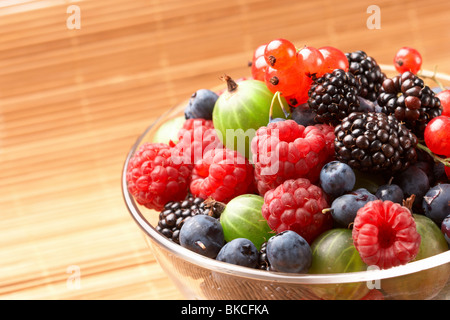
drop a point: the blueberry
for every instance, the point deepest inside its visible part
(366, 105)
(436, 90)
(413, 181)
(445, 228)
(439, 175)
(366, 195)
(436, 203)
(428, 168)
(276, 120)
(345, 207)
(202, 234)
(391, 192)
(337, 178)
(239, 251)
(289, 252)
(201, 104)
(303, 115)
(378, 109)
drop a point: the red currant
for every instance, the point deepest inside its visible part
(407, 59)
(301, 95)
(447, 172)
(312, 60)
(437, 135)
(259, 64)
(286, 81)
(259, 67)
(444, 96)
(259, 51)
(280, 54)
(333, 59)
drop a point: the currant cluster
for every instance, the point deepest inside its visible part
(291, 71)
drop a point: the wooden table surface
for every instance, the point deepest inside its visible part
(73, 101)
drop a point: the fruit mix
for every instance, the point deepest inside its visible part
(318, 154)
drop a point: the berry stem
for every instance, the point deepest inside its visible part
(390, 181)
(445, 161)
(434, 78)
(271, 107)
(214, 207)
(231, 84)
(300, 48)
(408, 203)
(277, 96)
(201, 245)
(286, 114)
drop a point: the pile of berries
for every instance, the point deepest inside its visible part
(358, 151)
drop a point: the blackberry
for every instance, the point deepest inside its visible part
(263, 262)
(369, 73)
(407, 98)
(334, 96)
(374, 142)
(175, 213)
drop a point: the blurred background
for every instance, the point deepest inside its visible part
(81, 80)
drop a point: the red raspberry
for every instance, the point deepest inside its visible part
(221, 174)
(195, 138)
(286, 150)
(328, 132)
(297, 205)
(190, 124)
(385, 235)
(373, 294)
(155, 176)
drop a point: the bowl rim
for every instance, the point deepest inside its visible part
(372, 274)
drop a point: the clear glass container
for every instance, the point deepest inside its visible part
(198, 277)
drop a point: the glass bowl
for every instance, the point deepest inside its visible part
(199, 277)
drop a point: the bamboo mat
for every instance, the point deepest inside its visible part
(73, 101)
